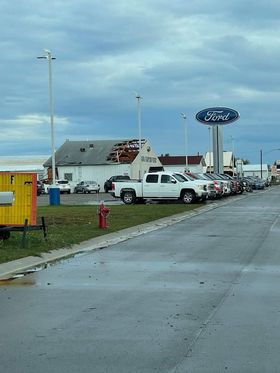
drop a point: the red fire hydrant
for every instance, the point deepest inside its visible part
(103, 213)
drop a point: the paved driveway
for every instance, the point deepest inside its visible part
(201, 295)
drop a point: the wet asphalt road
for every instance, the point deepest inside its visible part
(198, 296)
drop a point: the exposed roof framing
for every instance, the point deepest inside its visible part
(125, 151)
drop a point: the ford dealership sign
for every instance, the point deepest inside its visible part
(217, 116)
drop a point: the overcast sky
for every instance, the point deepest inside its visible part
(179, 55)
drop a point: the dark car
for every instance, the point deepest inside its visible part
(247, 184)
(236, 185)
(257, 182)
(40, 188)
(108, 183)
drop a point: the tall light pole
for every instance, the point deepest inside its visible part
(210, 155)
(261, 161)
(232, 149)
(139, 98)
(48, 56)
(183, 115)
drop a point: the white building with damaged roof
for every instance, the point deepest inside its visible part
(98, 160)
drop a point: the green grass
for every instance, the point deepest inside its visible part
(68, 225)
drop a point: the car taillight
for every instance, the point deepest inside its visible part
(113, 186)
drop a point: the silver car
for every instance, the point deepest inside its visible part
(87, 187)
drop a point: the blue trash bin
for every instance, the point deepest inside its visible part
(54, 194)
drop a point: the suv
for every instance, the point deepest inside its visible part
(63, 185)
(108, 183)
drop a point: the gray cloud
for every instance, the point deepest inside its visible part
(181, 56)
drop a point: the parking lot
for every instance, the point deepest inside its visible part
(88, 199)
(78, 199)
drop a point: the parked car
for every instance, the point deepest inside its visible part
(108, 183)
(226, 184)
(40, 188)
(213, 192)
(63, 185)
(247, 184)
(236, 185)
(257, 182)
(268, 182)
(199, 182)
(218, 185)
(87, 187)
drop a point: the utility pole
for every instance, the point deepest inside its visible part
(261, 160)
(139, 98)
(186, 139)
(49, 57)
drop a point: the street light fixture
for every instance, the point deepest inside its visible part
(183, 115)
(49, 57)
(139, 98)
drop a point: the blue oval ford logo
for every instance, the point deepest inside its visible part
(217, 116)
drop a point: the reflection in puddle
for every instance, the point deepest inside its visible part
(18, 281)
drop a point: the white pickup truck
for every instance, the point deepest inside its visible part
(160, 186)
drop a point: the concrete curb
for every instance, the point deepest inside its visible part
(19, 266)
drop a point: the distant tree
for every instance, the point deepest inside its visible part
(245, 161)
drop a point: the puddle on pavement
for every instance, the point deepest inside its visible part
(20, 279)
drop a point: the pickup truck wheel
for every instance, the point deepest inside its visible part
(188, 197)
(128, 197)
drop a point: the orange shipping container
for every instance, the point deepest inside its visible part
(24, 206)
